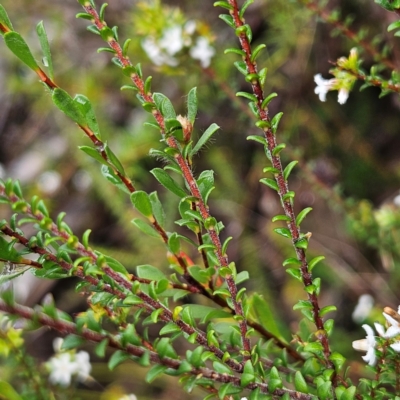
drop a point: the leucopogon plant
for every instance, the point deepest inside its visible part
(233, 348)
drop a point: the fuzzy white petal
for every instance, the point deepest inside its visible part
(396, 346)
(380, 329)
(83, 365)
(343, 95)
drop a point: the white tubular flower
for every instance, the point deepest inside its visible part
(323, 86)
(326, 85)
(368, 344)
(61, 367)
(202, 51)
(343, 95)
(83, 365)
(172, 40)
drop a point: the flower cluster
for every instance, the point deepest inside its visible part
(343, 81)
(174, 39)
(391, 334)
(67, 364)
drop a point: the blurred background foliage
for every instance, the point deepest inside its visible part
(349, 156)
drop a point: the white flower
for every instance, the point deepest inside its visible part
(368, 344)
(61, 367)
(323, 86)
(83, 365)
(172, 40)
(392, 331)
(343, 95)
(202, 51)
(363, 308)
(190, 27)
(156, 54)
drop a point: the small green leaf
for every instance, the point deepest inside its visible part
(68, 106)
(257, 52)
(302, 243)
(244, 7)
(44, 44)
(291, 261)
(324, 391)
(158, 210)
(147, 271)
(114, 159)
(85, 16)
(192, 105)
(236, 51)
(223, 4)
(132, 300)
(18, 46)
(88, 112)
(314, 262)
(285, 232)
(247, 95)
(205, 183)
(174, 243)
(302, 214)
(91, 152)
(168, 182)
(280, 218)
(271, 183)
(141, 202)
(258, 139)
(4, 20)
(115, 265)
(248, 375)
(112, 177)
(72, 342)
(278, 149)
(154, 372)
(205, 137)
(349, 393)
(267, 100)
(164, 105)
(394, 25)
(263, 76)
(7, 251)
(326, 310)
(288, 169)
(295, 273)
(275, 122)
(117, 358)
(145, 228)
(241, 66)
(300, 383)
(228, 19)
(101, 348)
